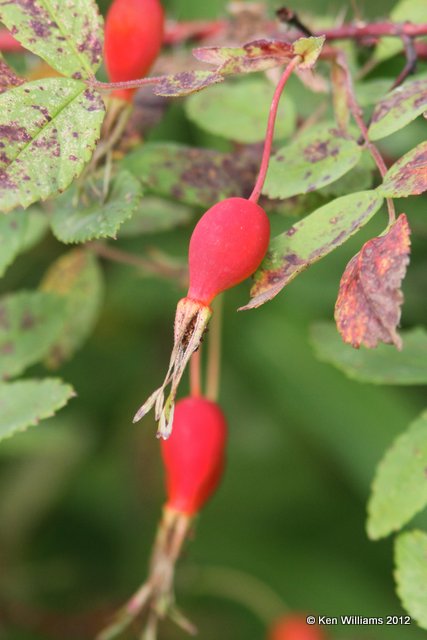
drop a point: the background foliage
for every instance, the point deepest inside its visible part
(80, 495)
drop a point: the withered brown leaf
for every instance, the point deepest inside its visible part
(367, 310)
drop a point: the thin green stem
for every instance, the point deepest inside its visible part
(214, 351)
(252, 593)
(254, 197)
(195, 374)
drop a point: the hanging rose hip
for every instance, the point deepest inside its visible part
(133, 38)
(193, 456)
(227, 246)
(193, 459)
(295, 627)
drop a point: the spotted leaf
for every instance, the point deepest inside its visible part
(398, 108)
(367, 310)
(314, 160)
(185, 82)
(48, 130)
(309, 240)
(8, 77)
(408, 176)
(67, 35)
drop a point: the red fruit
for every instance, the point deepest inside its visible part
(133, 38)
(193, 455)
(295, 627)
(227, 246)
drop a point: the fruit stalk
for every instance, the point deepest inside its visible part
(193, 459)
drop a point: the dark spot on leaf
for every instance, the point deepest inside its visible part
(28, 321)
(14, 133)
(7, 348)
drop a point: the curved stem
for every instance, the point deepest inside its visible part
(128, 84)
(195, 373)
(214, 351)
(254, 197)
(243, 588)
(357, 114)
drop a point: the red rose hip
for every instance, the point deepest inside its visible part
(226, 247)
(193, 456)
(295, 627)
(133, 39)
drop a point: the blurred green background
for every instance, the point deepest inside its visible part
(80, 495)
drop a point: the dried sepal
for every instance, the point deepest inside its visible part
(191, 320)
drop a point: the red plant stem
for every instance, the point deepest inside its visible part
(254, 197)
(195, 374)
(152, 265)
(373, 30)
(357, 114)
(8, 42)
(128, 84)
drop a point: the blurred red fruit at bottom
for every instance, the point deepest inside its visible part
(295, 627)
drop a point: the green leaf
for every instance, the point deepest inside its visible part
(359, 178)
(35, 229)
(77, 278)
(68, 35)
(399, 108)
(30, 322)
(192, 176)
(240, 112)
(309, 240)
(12, 230)
(399, 490)
(367, 92)
(48, 130)
(25, 403)
(310, 162)
(404, 11)
(407, 176)
(381, 365)
(19, 231)
(410, 553)
(309, 49)
(81, 214)
(156, 215)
